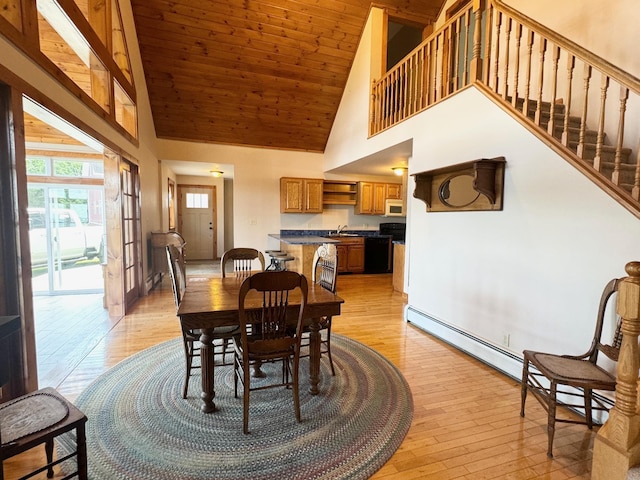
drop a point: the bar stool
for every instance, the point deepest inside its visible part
(279, 260)
(37, 418)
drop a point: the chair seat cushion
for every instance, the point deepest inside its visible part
(572, 371)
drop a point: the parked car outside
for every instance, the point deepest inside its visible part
(71, 240)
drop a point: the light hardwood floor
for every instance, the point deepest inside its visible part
(466, 421)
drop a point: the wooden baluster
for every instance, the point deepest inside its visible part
(635, 192)
(394, 97)
(387, 102)
(542, 52)
(404, 94)
(507, 48)
(616, 447)
(604, 86)
(447, 60)
(585, 102)
(475, 68)
(454, 62)
(434, 70)
(527, 85)
(554, 90)
(465, 55)
(488, 39)
(571, 65)
(624, 96)
(428, 75)
(373, 110)
(410, 82)
(422, 68)
(516, 66)
(497, 53)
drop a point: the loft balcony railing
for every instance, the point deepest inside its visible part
(582, 106)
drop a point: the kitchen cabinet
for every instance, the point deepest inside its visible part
(398, 267)
(340, 192)
(350, 254)
(301, 195)
(394, 190)
(371, 197)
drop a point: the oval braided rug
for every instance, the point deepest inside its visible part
(140, 427)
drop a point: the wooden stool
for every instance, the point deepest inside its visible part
(43, 430)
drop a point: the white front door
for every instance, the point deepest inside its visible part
(197, 221)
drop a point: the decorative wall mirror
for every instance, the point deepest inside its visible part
(470, 186)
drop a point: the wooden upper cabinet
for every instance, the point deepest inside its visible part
(300, 195)
(379, 196)
(394, 190)
(371, 197)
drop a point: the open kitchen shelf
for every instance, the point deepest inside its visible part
(339, 192)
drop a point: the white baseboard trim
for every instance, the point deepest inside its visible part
(502, 360)
(499, 358)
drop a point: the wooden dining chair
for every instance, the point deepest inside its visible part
(38, 418)
(191, 338)
(242, 259)
(272, 341)
(577, 376)
(324, 272)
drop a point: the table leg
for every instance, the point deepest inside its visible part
(81, 453)
(206, 361)
(314, 356)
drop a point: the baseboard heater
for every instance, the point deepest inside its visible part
(482, 350)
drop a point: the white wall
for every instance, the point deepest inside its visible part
(533, 271)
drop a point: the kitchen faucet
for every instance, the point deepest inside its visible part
(341, 228)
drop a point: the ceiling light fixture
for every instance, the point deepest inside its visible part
(399, 171)
(216, 173)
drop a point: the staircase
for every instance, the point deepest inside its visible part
(583, 107)
(566, 129)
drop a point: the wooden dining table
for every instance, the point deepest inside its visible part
(209, 303)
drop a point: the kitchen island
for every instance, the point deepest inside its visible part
(302, 247)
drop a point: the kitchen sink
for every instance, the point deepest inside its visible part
(344, 235)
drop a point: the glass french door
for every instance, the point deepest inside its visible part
(67, 238)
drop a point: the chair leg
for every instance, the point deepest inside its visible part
(48, 448)
(333, 371)
(296, 390)
(188, 352)
(587, 408)
(551, 420)
(81, 445)
(247, 390)
(525, 380)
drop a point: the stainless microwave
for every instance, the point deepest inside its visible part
(394, 208)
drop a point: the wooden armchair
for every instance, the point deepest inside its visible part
(242, 259)
(580, 373)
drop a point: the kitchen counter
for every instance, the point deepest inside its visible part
(303, 239)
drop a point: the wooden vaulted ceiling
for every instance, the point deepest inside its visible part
(266, 73)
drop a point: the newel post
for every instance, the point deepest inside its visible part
(617, 445)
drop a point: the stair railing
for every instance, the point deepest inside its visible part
(582, 106)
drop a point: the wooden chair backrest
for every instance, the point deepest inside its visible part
(269, 327)
(325, 266)
(243, 260)
(177, 273)
(610, 350)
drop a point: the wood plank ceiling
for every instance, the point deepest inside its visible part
(267, 73)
